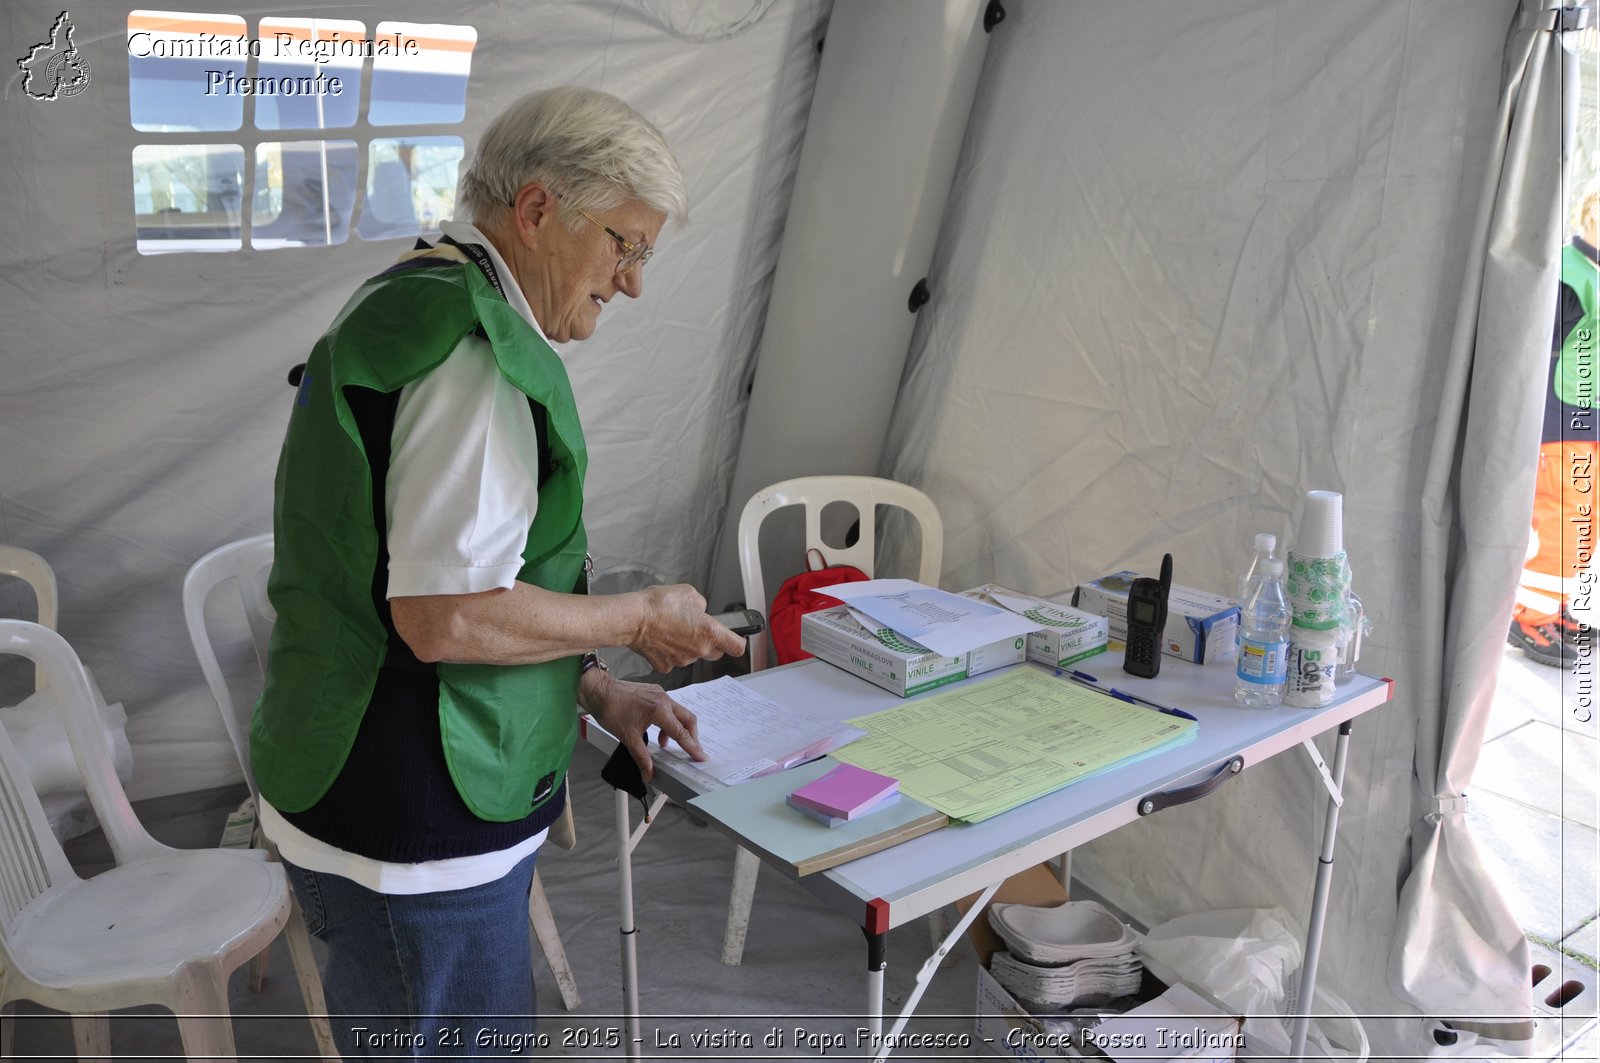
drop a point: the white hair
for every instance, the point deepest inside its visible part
(1587, 202)
(589, 146)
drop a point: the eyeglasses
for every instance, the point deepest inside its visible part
(632, 254)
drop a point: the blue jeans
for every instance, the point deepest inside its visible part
(430, 974)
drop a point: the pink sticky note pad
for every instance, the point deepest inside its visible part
(845, 790)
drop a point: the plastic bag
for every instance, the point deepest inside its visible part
(1249, 959)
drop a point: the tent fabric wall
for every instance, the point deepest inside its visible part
(1459, 951)
(144, 397)
(1199, 259)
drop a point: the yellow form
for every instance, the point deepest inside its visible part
(979, 750)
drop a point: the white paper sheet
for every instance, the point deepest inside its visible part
(1036, 609)
(946, 623)
(1177, 1023)
(747, 735)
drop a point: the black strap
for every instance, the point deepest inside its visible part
(480, 258)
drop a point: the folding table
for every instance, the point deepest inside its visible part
(897, 885)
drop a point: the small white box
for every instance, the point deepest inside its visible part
(1200, 627)
(1013, 650)
(1067, 636)
(895, 664)
(996, 654)
(1183, 1025)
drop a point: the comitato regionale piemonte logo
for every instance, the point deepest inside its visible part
(55, 69)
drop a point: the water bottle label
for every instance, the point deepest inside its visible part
(1265, 663)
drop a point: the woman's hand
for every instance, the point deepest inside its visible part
(676, 630)
(628, 709)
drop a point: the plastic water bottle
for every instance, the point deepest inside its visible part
(1266, 542)
(1263, 640)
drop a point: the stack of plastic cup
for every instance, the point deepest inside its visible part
(1318, 582)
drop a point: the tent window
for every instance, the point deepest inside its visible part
(305, 193)
(422, 78)
(186, 197)
(194, 73)
(411, 185)
(300, 60)
(169, 54)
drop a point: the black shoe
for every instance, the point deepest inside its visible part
(1543, 638)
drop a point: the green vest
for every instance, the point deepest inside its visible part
(1576, 371)
(507, 731)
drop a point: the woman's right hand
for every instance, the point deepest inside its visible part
(676, 629)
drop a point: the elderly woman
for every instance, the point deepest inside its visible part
(433, 633)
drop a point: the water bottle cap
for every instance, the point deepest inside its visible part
(1266, 542)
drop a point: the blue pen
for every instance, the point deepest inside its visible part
(1084, 679)
(1168, 709)
(1121, 695)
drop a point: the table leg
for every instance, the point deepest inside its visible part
(877, 960)
(1306, 997)
(630, 956)
(884, 1044)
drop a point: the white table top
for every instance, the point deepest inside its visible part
(922, 875)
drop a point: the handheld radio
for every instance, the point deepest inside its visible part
(1147, 620)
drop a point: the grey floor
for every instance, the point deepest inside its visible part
(803, 968)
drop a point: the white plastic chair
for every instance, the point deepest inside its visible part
(165, 926)
(816, 493)
(35, 571)
(246, 564)
(34, 726)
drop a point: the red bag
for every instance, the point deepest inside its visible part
(795, 598)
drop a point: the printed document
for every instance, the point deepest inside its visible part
(982, 749)
(948, 624)
(747, 735)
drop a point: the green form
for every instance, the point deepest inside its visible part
(982, 749)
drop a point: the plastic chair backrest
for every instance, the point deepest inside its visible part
(246, 563)
(74, 697)
(816, 493)
(36, 572)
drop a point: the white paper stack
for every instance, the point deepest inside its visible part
(1063, 955)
